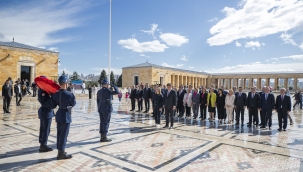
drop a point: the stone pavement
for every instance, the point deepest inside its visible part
(138, 146)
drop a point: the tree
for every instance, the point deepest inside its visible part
(112, 78)
(119, 82)
(75, 76)
(102, 76)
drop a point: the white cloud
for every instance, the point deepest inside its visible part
(167, 65)
(180, 65)
(274, 59)
(174, 40)
(152, 29)
(257, 18)
(238, 44)
(142, 55)
(191, 67)
(98, 70)
(184, 58)
(211, 20)
(259, 67)
(55, 49)
(42, 47)
(141, 47)
(34, 22)
(301, 46)
(294, 57)
(253, 44)
(287, 39)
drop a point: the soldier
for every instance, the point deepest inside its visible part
(34, 86)
(45, 113)
(65, 100)
(104, 97)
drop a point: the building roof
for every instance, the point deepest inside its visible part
(147, 64)
(258, 73)
(23, 46)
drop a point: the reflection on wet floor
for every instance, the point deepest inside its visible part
(139, 146)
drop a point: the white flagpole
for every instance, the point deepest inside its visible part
(109, 40)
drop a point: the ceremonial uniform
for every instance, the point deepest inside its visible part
(65, 100)
(45, 114)
(104, 97)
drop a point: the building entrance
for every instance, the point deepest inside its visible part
(26, 73)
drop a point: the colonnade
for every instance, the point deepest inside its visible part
(247, 83)
(195, 81)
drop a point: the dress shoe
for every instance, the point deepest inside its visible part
(248, 125)
(279, 129)
(137, 111)
(4, 112)
(269, 128)
(132, 110)
(63, 155)
(165, 126)
(284, 129)
(105, 139)
(45, 149)
(171, 127)
(291, 123)
(237, 123)
(262, 127)
(8, 112)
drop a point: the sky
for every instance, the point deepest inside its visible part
(211, 36)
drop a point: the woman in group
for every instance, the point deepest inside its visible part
(187, 102)
(221, 105)
(203, 103)
(211, 103)
(195, 100)
(158, 102)
(229, 104)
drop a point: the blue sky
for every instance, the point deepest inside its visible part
(212, 36)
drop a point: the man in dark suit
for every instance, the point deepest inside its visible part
(240, 103)
(133, 96)
(147, 97)
(139, 98)
(180, 95)
(34, 86)
(7, 93)
(253, 104)
(170, 101)
(18, 92)
(267, 105)
(283, 107)
(235, 92)
(260, 94)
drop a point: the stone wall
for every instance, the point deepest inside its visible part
(128, 75)
(42, 63)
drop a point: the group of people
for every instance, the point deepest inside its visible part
(227, 105)
(21, 88)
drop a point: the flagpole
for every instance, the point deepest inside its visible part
(109, 39)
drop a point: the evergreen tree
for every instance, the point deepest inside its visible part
(112, 78)
(119, 82)
(75, 76)
(102, 76)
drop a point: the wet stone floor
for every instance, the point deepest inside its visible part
(138, 146)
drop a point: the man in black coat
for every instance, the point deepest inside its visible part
(283, 107)
(18, 92)
(170, 101)
(147, 97)
(7, 93)
(253, 104)
(34, 86)
(267, 105)
(180, 96)
(240, 103)
(133, 96)
(139, 98)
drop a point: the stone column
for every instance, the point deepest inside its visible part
(185, 80)
(244, 83)
(219, 82)
(250, 82)
(177, 81)
(181, 80)
(230, 85)
(267, 82)
(259, 83)
(172, 80)
(295, 84)
(236, 82)
(286, 83)
(276, 84)
(226, 83)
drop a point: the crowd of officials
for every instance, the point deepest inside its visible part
(228, 106)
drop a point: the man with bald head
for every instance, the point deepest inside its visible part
(267, 105)
(283, 107)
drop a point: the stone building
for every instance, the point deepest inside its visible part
(26, 62)
(155, 74)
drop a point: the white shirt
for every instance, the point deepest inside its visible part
(83, 85)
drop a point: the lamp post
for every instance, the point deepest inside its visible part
(109, 39)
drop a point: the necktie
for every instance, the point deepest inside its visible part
(282, 98)
(253, 95)
(168, 93)
(266, 96)
(240, 94)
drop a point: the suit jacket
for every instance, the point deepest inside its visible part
(133, 94)
(240, 102)
(180, 97)
(7, 91)
(139, 94)
(253, 103)
(158, 101)
(147, 93)
(170, 100)
(196, 99)
(16, 89)
(203, 100)
(268, 103)
(285, 104)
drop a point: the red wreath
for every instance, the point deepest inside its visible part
(46, 84)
